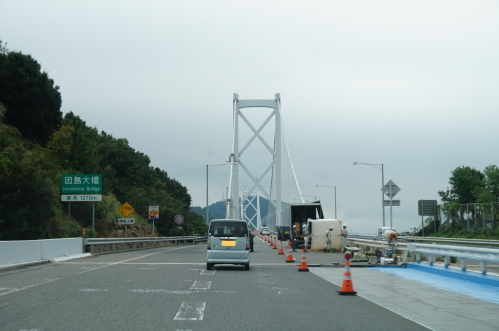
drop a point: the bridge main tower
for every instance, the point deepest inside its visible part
(239, 162)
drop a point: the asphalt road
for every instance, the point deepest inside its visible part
(170, 289)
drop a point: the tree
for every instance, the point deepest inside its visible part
(3, 48)
(464, 181)
(32, 100)
(492, 182)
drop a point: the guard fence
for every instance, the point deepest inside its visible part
(464, 249)
(114, 245)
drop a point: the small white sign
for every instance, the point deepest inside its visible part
(81, 197)
(126, 220)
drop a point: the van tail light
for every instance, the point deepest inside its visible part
(209, 248)
(247, 248)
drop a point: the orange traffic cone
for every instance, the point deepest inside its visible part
(275, 243)
(290, 255)
(281, 251)
(303, 263)
(347, 286)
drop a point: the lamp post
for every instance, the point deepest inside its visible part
(379, 166)
(208, 167)
(335, 217)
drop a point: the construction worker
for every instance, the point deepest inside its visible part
(329, 234)
(378, 256)
(344, 234)
(295, 238)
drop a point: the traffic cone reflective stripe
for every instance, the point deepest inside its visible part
(281, 251)
(290, 255)
(303, 263)
(347, 285)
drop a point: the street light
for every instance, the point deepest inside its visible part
(377, 165)
(335, 217)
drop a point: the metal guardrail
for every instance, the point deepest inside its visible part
(402, 246)
(114, 245)
(463, 252)
(489, 242)
(371, 236)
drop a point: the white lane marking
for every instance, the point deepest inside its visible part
(201, 285)
(183, 330)
(145, 268)
(190, 311)
(160, 291)
(208, 272)
(93, 290)
(87, 270)
(30, 286)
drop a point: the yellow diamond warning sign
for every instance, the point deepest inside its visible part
(126, 209)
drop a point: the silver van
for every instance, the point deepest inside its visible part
(228, 243)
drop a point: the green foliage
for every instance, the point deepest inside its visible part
(28, 180)
(32, 100)
(3, 48)
(37, 146)
(464, 182)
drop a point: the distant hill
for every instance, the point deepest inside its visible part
(217, 209)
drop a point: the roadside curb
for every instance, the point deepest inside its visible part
(22, 265)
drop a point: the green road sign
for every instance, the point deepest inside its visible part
(81, 183)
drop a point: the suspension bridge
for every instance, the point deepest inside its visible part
(260, 160)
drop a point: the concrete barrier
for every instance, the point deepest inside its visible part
(22, 251)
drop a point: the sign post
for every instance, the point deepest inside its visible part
(428, 208)
(81, 187)
(126, 209)
(153, 216)
(179, 219)
(391, 189)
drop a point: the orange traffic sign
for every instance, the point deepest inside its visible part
(126, 209)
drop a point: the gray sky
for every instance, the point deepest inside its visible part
(412, 85)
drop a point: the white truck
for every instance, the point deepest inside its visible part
(264, 231)
(316, 231)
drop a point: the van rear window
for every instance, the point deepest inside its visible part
(228, 229)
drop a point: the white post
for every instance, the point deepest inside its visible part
(391, 197)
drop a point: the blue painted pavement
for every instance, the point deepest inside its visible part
(474, 284)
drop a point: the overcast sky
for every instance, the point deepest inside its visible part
(412, 85)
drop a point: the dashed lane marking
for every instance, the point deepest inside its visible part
(205, 272)
(201, 285)
(85, 271)
(93, 290)
(190, 311)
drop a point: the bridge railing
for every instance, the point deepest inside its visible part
(448, 251)
(114, 245)
(371, 236)
(464, 252)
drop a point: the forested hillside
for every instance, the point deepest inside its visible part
(38, 144)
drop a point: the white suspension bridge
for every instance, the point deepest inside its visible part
(265, 162)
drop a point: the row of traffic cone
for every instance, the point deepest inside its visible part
(347, 284)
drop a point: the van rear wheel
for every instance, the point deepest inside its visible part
(209, 266)
(246, 266)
